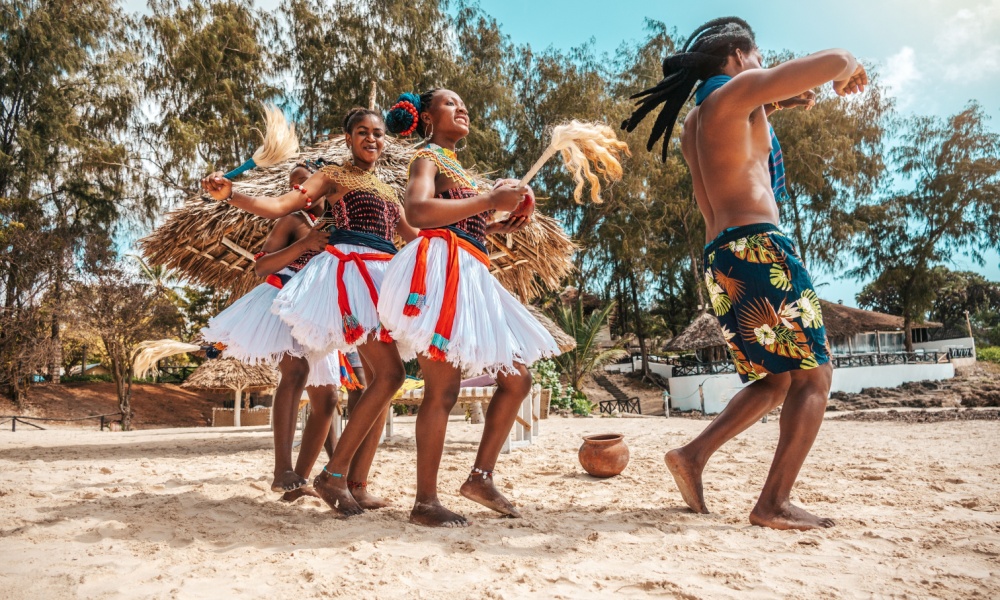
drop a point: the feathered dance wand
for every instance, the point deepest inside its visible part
(280, 143)
(147, 354)
(582, 145)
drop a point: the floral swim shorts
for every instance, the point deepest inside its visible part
(764, 300)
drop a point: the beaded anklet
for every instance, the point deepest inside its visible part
(357, 485)
(332, 474)
(478, 471)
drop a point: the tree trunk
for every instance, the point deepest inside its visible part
(699, 282)
(55, 350)
(640, 333)
(908, 333)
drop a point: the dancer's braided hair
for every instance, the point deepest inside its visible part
(403, 118)
(704, 55)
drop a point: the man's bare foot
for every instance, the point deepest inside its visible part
(481, 489)
(365, 500)
(292, 496)
(287, 481)
(787, 516)
(687, 476)
(432, 514)
(333, 491)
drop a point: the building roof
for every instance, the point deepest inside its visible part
(839, 320)
(230, 374)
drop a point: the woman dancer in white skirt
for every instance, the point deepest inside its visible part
(253, 334)
(440, 301)
(331, 304)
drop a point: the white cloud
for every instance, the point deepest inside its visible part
(899, 73)
(968, 43)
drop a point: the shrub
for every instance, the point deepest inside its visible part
(988, 354)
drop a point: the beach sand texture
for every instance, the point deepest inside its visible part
(187, 513)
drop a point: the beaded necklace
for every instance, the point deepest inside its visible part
(448, 164)
(354, 178)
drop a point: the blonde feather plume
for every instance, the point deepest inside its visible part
(588, 150)
(148, 353)
(280, 141)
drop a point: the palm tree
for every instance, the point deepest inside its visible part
(587, 357)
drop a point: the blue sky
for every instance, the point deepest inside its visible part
(934, 55)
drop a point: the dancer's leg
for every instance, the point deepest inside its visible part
(322, 402)
(442, 381)
(801, 418)
(382, 384)
(363, 458)
(746, 408)
(500, 417)
(285, 408)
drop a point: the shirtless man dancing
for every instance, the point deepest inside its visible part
(760, 290)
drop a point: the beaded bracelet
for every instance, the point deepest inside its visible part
(302, 190)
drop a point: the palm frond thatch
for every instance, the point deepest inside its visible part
(231, 375)
(213, 243)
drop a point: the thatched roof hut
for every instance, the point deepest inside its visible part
(213, 243)
(840, 322)
(224, 374)
(703, 332)
(564, 340)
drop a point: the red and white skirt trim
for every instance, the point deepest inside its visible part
(483, 327)
(331, 303)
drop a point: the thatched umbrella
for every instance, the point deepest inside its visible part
(213, 243)
(703, 332)
(564, 340)
(230, 374)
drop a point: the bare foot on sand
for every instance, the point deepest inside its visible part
(287, 481)
(292, 496)
(333, 491)
(364, 499)
(687, 476)
(432, 514)
(482, 490)
(787, 516)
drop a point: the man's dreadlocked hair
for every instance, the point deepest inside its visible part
(704, 55)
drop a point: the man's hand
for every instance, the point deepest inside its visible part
(806, 100)
(855, 84)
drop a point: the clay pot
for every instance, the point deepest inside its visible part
(604, 455)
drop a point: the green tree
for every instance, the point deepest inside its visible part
(210, 67)
(67, 105)
(588, 356)
(952, 209)
(112, 304)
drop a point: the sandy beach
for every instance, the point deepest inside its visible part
(186, 513)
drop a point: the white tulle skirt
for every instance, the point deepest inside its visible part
(324, 370)
(492, 329)
(309, 303)
(251, 332)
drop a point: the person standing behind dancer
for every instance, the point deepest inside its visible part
(253, 334)
(759, 288)
(331, 304)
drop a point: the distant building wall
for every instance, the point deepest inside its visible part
(943, 345)
(719, 389)
(661, 369)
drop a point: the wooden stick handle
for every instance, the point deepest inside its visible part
(549, 153)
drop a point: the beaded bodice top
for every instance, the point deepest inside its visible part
(370, 205)
(466, 187)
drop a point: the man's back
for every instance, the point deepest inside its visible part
(727, 154)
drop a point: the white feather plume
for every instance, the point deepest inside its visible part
(280, 141)
(588, 150)
(148, 353)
